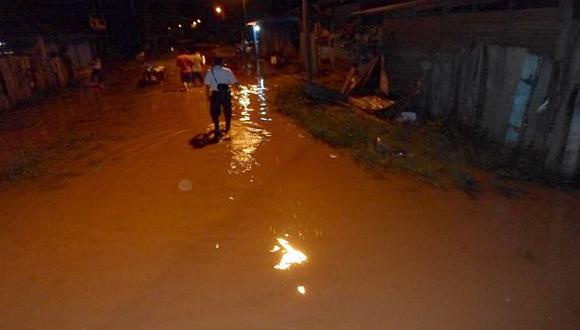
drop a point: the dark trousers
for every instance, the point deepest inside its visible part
(220, 101)
(97, 76)
(197, 78)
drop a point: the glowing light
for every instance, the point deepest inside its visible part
(193, 25)
(198, 21)
(169, 28)
(218, 10)
(172, 49)
(276, 248)
(290, 256)
(257, 28)
(301, 289)
(217, 246)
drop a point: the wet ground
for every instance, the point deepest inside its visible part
(271, 230)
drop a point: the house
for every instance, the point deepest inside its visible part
(510, 68)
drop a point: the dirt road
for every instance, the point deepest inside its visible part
(159, 235)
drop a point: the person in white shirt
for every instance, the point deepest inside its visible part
(217, 83)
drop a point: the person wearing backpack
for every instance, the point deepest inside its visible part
(217, 83)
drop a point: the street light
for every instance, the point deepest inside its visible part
(256, 28)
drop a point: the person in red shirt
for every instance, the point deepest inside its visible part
(185, 64)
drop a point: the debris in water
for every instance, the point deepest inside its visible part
(407, 116)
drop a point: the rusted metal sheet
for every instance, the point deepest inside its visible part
(503, 70)
(571, 158)
(522, 97)
(16, 78)
(536, 126)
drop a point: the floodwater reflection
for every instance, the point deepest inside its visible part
(290, 255)
(301, 289)
(249, 135)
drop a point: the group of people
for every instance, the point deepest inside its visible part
(217, 81)
(191, 67)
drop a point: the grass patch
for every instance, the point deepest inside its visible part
(436, 152)
(32, 163)
(25, 165)
(71, 141)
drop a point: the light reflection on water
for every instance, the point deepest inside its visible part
(290, 255)
(249, 134)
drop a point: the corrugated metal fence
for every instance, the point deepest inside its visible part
(34, 69)
(497, 72)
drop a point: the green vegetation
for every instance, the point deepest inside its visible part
(436, 153)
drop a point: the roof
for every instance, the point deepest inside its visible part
(419, 5)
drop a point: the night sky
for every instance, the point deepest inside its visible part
(128, 21)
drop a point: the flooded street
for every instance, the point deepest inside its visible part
(273, 230)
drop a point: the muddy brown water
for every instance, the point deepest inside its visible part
(274, 230)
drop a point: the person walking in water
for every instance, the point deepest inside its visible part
(97, 72)
(217, 84)
(197, 68)
(185, 64)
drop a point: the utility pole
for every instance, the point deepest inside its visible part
(306, 31)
